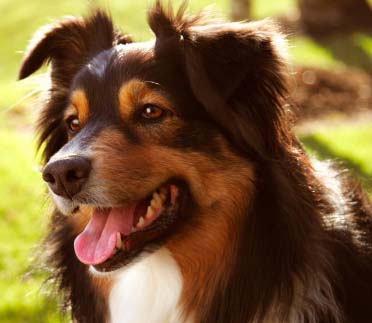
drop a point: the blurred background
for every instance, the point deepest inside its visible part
(330, 42)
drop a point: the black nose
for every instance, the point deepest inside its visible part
(67, 176)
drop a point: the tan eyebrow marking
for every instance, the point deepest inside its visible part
(79, 102)
(70, 111)
(137, 92)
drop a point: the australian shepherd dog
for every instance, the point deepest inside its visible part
(180, 193)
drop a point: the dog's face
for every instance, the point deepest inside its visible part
(138, 153)
(139, 144)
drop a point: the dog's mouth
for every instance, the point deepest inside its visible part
(115, 235)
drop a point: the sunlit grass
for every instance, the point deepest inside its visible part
(349, 145)
(262, 9)
(306, 51)
(364, 42)
(22, 215)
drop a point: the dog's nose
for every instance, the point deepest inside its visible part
(67, 176)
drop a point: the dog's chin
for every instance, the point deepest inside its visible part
(116, 235)
(64, 205)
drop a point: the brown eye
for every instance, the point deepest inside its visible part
(151, 111)
(73, 124)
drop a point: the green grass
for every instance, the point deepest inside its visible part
(349, 145)
(22, 214)
(23, 206)
(261, 9)
(316, 55)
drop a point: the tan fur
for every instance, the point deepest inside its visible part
(80, 102)
(136, 93)
(70, 111)
(213, 228)
(102, 284)
(80, 219)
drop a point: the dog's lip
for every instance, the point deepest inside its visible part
(115, 240)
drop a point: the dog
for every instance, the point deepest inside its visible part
(180, 192)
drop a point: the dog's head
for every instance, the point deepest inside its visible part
(155, 143)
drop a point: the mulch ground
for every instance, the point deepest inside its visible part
(318, 93)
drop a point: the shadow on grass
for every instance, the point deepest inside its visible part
(325, 152)
(348, 50)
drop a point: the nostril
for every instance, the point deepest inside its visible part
(49, 178)
(72, 176)
(67, 176)
(76, 174)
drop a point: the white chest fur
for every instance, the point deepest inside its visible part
(147, 291)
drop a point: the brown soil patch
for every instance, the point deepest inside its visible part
(318, 93)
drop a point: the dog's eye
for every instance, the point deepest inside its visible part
(73, 124)
(151, 111)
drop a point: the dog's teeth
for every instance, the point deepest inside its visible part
(150, 212)
(156, 201)
(119, 244)
(141, 222)
(156, 196)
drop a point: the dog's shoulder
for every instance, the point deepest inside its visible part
(349, 228)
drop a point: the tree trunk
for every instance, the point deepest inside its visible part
(240, 9)
(328, 16)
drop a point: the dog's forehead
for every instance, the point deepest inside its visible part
(116, 65)
(102, 78)
(131, 69)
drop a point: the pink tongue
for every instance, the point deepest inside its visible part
(98, 240)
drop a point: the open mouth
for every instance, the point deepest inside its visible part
(114, 236)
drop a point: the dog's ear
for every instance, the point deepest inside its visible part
(237, 72)
(68, 44)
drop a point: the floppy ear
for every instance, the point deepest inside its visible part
(68, 44)
(236, 71)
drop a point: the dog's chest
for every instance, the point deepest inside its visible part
(147, 291)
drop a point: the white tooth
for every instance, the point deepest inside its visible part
(150, 212)
(141, 222)
(156, 202)
(119, 244)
